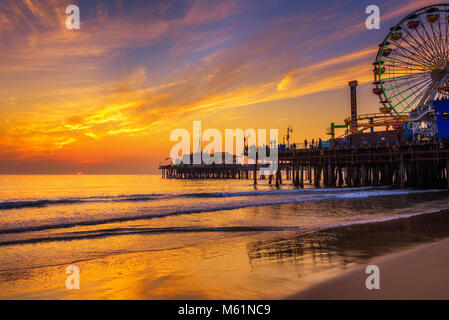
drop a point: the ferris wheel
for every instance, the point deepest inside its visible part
(412, 64)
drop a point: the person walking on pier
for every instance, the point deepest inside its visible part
(313, 144)
(305, 143)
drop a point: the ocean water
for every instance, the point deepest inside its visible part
(137, 237)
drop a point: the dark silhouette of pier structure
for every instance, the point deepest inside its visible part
(420, 165)
(401, 165)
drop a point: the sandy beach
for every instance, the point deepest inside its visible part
(420, 273)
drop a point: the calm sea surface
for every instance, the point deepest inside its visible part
(137, 237)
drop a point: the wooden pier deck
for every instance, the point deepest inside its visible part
(423, 165)
(212, 171)
(420, 165)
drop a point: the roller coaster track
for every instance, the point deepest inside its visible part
(375, 120)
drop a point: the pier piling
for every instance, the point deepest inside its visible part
(412, 165)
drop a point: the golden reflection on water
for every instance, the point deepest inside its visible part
(247, 266)
(207, 271)
(207, 263)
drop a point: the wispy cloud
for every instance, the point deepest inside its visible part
(85, 88)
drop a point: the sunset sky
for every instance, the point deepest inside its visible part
(104, 99)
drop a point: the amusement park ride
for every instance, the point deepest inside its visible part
(410, 78)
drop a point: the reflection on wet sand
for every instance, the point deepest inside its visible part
(352, 244)
(259, 265)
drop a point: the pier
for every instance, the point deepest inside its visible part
(414, 154)
(212, 171)
(421, 165)
(417, 165)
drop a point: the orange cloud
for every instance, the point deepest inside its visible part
(79, 102)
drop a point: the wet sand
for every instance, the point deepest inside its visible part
(420, 273)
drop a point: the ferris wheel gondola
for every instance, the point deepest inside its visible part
(412, 64)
